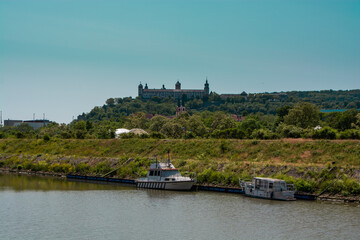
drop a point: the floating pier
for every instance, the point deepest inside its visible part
(301, 196)
(101, 179)
(219, 189)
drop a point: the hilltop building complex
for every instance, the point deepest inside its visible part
(177, 93)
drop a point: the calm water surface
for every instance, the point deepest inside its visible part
(48, 208)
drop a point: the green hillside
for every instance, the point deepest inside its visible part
(312, 165)
(264, 103)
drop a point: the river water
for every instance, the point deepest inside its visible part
(33, 207)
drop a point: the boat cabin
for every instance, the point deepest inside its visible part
(165, 176)
(163, 171)
(271, 184)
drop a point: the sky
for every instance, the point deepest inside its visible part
(63, 57)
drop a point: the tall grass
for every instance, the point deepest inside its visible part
(310, 164)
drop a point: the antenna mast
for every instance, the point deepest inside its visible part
(254, 168)
(169, 158)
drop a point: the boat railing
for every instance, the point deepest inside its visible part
(290, 187)
(247, 185)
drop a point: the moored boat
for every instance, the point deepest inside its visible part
(164, 176)
(269, 188)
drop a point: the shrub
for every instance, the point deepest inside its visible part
(332, 187)
(82, 168)
(204, 176)
(80, 134)
(228, 133)
(289, 131)
(263, 134)
(63, 167)
(350, 134)
(102, 168)
(157, 135)
(189, 135)
(216, 178)
(127, 135)
(46, 137)
(324, 133)
(352, 186)
(19, 135)
(66, 135)
(143, 136)
(302, 185)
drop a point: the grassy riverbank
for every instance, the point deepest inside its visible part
(311, 165)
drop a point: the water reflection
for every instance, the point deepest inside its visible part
(33, 207)
(19, 182)
(161, 194)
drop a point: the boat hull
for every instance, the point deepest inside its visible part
(283, 196)
(164, 185)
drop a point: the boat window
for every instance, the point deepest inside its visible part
(166, 179)
(257, 183)
(171, 173)
(151, 173)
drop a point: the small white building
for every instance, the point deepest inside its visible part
(318, 127)
(120, 131)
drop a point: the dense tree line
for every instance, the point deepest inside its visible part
(116, 109)
(302, 120)
(265, 116)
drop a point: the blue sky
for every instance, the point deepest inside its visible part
(63, 57)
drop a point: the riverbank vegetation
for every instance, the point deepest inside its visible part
(303, 120)
(314, 166)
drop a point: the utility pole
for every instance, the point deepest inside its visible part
(1, 119)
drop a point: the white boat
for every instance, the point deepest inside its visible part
(269, 188)
(164, 176)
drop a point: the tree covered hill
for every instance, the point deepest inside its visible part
(263, 116)
(267, 103)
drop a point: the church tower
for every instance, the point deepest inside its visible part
(140, 90)
(178, 85)
(206, 88)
